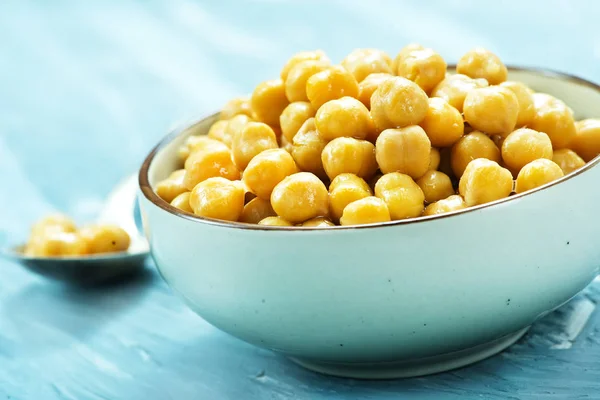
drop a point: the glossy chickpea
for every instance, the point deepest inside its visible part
(210, 162)
(435, 186)
(292, 118)
(105, 238)
(434, 159)
(349, 155)
(171, 187)
(537, 173)
(523, 146)
(295, 84)
(218, 198)
(182, 202)
(318, 222)
(398, 102)
(275, 221)
(343, 190)
(268, 101)
(255, 138)
(586, 141)
(300, 197)
(345, 117)
(369, 210)
(56, 243)
(236, 106)
(256, 210)
(454, 89)
(567, 160)
(470, 147)
(554, 118)
(493, 110)
(425, 67)
(307, 147)
(364, 62)
(367, 87)
(403, 53)
(482, 63)
(525, 99)
(218, 131)
(451, 203)
(316, 55)
(405, 150)
(266, 170)
(443, 123)
(403, 196)
(330, 84)
(484, 181)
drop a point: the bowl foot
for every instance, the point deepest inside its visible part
(415, 367)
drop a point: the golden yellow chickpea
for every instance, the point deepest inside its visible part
(345, 117)
(318, 222)
(435, 185)
(454, 89)
(343, 190)
(349, 155)
(307, 147)
(193, 143)
(403, 196)
(425, 67)
(525, 99)
(470, 147)
(434, 159)
(266, 170)
(255, 138)
(218, 198)
(484, 181)
(235, 106)
(256, 210)
(268, 101)
(482, 63)
(330, 84)
(300, 197)
(443, 123)
(398, 102)
(292, 118)
(56, 243)
(554, 118)
(219, 131)
(567, 160)
(171, 187)
(586, 141)
(182, 202)
(493, 110)
(451, 203)
(275, 221)
(364, 62)
(537, 173)
(403, 53)
(369, 210)
(105, 238)
(209, 162)
(405, 150)
(316, 55)
(523, 146)
(295, 84)
(367, 87)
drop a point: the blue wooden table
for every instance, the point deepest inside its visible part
(87, 88)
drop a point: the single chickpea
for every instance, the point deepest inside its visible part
(554, 118)
(435, 185)
(218, 131)
(482, 63)
(56, 243)
(207, 163)
(403, 53)
(525, 99)
(300, 197)
(586, 141)
(484, 181)
(537, 173)
(292, 118)
(330, 84)
(402, 195)
(455, 88)
(493, 110)
(105, 238)
(345, 117)
(343, 190)
(235, 106)
(218, 198)
(443, 123)
(255, 138)
(434, 159)
(403, 150)
(567, 160)
(316, 55)
(470, 147)
(349, 155)
(256, 210)
(266, 170)
(451, 203)
(367, 87)
(171, 187)
(318, 222)
(364, 62)
(398, 102)
(523, 146)
(307, 147)
(268, 101)
(182, 202)
(369, 210)
(275, 221)
(425, 67)
(295, 84)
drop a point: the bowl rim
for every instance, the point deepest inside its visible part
(150, 195)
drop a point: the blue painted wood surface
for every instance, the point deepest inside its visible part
(87, 88)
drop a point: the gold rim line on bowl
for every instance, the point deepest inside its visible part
(149, 193)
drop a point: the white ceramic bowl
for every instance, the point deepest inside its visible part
(398, 299)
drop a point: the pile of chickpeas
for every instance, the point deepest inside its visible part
(376, 139)
(57, 235)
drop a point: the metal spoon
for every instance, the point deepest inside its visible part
(121, 208)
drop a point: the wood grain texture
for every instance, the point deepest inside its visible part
(87, 88)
